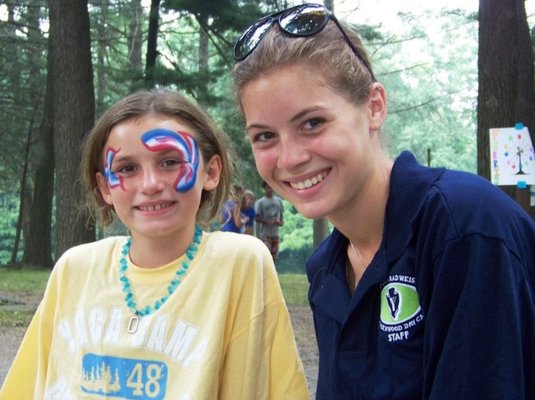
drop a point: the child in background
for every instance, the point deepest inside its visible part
(238, 214)
(229, 216)
(247, 210)
(171, 312)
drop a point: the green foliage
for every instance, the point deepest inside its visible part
(22, 71)
(8, 222)
(224, 15)
(296, 241)
(433, 91)
(293, 261)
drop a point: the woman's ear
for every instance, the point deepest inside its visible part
(104, 189)
(377, 106)
(212, 173)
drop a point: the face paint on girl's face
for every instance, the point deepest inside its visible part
(112, 179)
(185, 144)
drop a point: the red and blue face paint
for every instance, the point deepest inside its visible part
(112, 179)
(185, 145)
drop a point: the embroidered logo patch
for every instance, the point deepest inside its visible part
(400, 307)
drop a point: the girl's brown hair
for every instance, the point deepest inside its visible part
(210, 139)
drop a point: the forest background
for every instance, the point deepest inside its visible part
(63, 62)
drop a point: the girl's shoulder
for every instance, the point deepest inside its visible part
(92, 251)
(223, 238)
(227, 243)
(243, 259)
(106, 242)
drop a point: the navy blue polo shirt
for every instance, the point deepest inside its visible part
(445, 310)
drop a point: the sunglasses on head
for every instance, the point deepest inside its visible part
(299, 21)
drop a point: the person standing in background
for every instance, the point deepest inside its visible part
(247, 211)
(229, 216)
(269, 212)
(237, 214)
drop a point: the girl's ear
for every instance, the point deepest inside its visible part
(104, 189)
(377, 106)
(212, 171)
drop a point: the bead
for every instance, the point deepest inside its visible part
(173, 285)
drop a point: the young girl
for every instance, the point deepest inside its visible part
(237, 214)
(170, 312)
(248, 211)
(426, 287)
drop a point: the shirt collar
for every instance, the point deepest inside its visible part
(409, 184)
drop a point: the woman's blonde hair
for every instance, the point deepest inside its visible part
(325, 51)
(210, 139)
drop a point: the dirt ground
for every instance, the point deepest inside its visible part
(306, 342)
(10, 338)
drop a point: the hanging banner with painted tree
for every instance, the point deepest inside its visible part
(511, 156)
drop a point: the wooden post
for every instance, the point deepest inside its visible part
(523, 195)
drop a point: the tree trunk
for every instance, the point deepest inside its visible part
(202, 89)
(506, 85)
(101, 46)
(38, 234)
(23, 196)
(73, 111)
(152, 43)
(135, 41)
(203, 43)
(38, 247)
(320, 230)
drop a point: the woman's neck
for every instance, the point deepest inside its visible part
(363, 223)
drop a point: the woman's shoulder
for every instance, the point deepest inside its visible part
(464, 204)
(465, 193)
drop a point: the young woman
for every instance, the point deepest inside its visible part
(170, 312)
(425, 289)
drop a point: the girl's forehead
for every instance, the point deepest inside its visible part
(137, 128)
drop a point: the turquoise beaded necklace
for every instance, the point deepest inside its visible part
(173, 285)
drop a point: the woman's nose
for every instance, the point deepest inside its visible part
(292, 153)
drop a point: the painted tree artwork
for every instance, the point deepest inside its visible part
(512, 156)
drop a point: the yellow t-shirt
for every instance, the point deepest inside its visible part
(225, 333)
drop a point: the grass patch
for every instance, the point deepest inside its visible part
(23, 280)
(17, 286)
(294, 289)
(14, 318)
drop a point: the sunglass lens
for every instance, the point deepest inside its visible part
(250, 39)
(304, 21)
